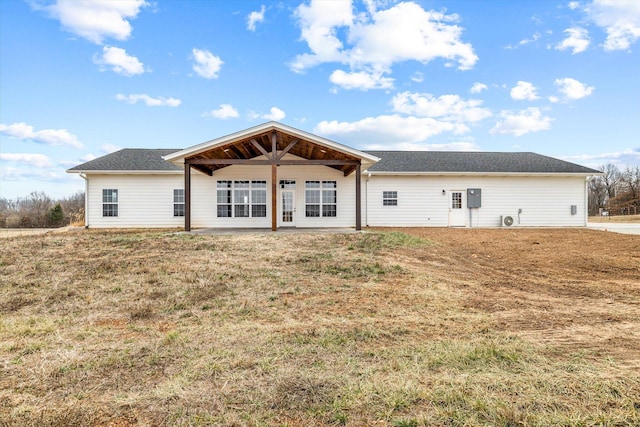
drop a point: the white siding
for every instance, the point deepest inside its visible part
(147, 200)
(203, 196)
(545, 201)
(143, 200)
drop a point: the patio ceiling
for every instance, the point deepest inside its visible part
(262, 144)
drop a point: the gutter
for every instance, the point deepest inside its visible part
(86, 199)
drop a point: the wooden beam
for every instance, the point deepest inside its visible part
(327, 162)
(274, 144)
(203, 169)
(274, 197)
(260, 148)
(286, 150)
(358, 198)
(187, 196)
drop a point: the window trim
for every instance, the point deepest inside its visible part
(321, 208)
(390, 198)
(230, 190)
(110, 203)
(178, 206)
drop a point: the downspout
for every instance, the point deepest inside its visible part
(366, 198)
(86, 199)
(586, 200)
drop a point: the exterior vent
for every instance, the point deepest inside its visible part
(506, 220)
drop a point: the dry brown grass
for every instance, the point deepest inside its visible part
(616, 219)
(392, 327)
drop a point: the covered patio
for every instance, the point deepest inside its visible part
(272, 144)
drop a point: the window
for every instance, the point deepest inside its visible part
(456, 200)
(320, 198)
(224, 198)
(242, 199)
(109, 202)
(178, 202)
(389, 198)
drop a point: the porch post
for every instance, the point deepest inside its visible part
(358, 198)
(187, 196)
(274, 196)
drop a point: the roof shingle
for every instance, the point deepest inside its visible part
(476, 161)
(139, 159)
(131, 159)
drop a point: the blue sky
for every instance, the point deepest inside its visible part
(80, 79)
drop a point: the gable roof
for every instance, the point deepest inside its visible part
(437, 162)
(131, 160)
(260, 140)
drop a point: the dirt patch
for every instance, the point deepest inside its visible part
(577, 290)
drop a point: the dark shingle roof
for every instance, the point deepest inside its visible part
(131, 159)
(139, 159)
(466, 161)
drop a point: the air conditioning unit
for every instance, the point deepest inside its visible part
(506, 220)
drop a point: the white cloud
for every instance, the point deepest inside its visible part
(225, 111)
(88, 157)
(446, 107)
(573, 89)
(35, 160)
(106, 148)
(254, 18)
(478, 87)
(387, 129)
(578, 40)
(275, 114)
(521, 122)
(421, 146)
(524, 91)
(149, 101)
(418, 77)
(371, 42)
(620, 19)
(360, 80)
(573, 5)
(318, 24)
(119, 61)
(523, 42)
(206, 64)
(628, 157)
(54, 137)
(95, 20)
(31, 174)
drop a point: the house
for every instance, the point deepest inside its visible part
(273, 175)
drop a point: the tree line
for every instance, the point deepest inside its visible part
(617, 192)
(39, 210)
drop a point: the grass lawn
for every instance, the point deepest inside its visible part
(408, 327)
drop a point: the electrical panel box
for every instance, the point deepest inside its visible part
(474, 198)
(574, 209)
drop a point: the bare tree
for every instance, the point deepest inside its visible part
(611, 179)
(631, 183)
(597, 194)
(38, 204)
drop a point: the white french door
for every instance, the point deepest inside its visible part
(456, 211)
(287, 208)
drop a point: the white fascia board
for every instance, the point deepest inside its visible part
(265, 127)
(382, 173)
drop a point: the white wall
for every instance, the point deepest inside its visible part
(203, 196)
(545, 201)
(147, 200)
(143, 200)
